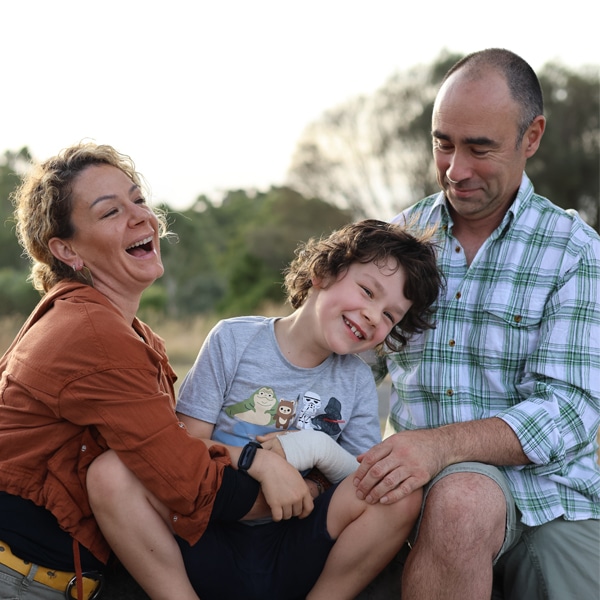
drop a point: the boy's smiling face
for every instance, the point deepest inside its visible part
(357, 310)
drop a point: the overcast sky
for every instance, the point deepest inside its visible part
(211, 96)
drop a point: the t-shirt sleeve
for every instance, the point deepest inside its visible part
(363, 429)
(205, 387)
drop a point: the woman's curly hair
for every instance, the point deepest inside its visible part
(374, 241)
(44, 204)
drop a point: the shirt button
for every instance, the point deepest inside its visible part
(457, 249)
(181, 425)
(175, 517)
(449, 392)
(83, 448)
(518, 318)
(458, 295)
(451, 343)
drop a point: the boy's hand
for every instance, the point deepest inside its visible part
(271, 442)
(285, 491)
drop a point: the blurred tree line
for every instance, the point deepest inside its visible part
(368, 157)
(224, 258)
(372, 154)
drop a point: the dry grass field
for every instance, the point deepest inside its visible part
(183, 338)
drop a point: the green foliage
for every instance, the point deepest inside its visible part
(11, 166)
(566, 168)
(252, 238)
(154, 300)
(225, 256)
(17, 296)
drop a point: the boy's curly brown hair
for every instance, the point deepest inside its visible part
(375, 241)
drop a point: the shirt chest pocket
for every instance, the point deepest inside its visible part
(511, 321)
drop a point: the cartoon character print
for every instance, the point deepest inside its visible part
(259, 409)
(286, 411)
(311, 404)
(330, 420)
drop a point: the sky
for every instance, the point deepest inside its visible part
(213, 96)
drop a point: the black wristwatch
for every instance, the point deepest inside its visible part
(247, 456)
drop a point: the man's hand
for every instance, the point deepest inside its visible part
(398, 466)
(409, 459)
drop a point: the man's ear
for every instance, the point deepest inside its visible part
(533, 136)
(63, 251)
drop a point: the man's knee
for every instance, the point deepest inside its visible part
(468, 510)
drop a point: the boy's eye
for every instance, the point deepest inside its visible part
(390, 317)
(367, 291)
(141, 201)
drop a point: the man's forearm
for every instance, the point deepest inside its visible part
(489, 441)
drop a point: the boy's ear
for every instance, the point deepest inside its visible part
(316, 281)
(62, 250)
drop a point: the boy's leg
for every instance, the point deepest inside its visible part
(367, 537)
(555, 561)
(134, 523)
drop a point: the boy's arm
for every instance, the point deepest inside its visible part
(283, 491)
(307, 449)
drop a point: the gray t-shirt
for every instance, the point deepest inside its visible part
(242, 383)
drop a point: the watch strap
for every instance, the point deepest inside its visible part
(247, 456)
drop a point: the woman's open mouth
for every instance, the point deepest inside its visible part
(142, 247)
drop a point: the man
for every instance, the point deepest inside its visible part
(510, 376)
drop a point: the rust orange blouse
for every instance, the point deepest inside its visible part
(79, 379)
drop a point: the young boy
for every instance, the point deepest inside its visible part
(369, 285)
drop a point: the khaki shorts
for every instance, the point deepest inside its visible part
(559, 560)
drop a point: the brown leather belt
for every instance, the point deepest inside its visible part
(63, 581)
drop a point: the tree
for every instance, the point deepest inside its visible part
(12, 166)
(566, 167)
(373, 154)
(223, 256)
(265, 241)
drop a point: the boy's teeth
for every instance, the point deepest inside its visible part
(354, 330)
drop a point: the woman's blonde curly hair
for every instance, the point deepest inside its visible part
(44, 204)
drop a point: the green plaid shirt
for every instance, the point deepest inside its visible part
(517, 337)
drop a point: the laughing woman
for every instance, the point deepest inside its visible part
(84, 375)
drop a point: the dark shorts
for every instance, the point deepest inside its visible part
(273, 560)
